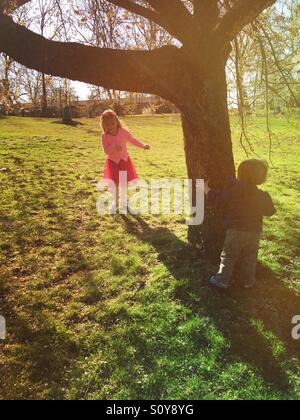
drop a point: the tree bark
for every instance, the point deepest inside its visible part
(208, 150)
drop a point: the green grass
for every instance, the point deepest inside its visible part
(118, 307)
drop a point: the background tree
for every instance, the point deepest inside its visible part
(47, 22)
(12, 90)
(191, 74)
(263, 70)
(41, 94)
(98, 23)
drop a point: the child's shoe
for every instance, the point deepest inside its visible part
(133, 211)
(216, 282)
(123, 209)
(126, 209)
(112, 208)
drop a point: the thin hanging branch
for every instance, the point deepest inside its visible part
(277, 63)
(241, 101)
(267, 96)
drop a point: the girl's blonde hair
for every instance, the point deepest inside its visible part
(108, 115)
(253, 171)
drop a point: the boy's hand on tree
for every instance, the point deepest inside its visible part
(207, 188)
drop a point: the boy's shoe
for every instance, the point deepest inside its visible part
(128, 210)
(112, 209)
(250, 285)
(133, 211)
(215, 282)
(123, 209)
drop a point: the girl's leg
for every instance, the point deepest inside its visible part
(117, 197)
(123, 200)
(115, 201)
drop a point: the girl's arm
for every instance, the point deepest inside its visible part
(107, 146)
(134, 141)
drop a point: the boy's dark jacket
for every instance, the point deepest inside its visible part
(244, 204)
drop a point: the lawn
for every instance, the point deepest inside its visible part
(102, 307)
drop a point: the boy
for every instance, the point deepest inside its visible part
(245, 206)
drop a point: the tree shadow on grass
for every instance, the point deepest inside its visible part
(39, 348)
(69, 123)
(38, 352)
(257, 323)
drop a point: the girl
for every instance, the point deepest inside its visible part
(114, 141)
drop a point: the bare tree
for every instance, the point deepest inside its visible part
(12, 90)
(100, 25)
(46, 17)
(191, 74)
(6, 94)
(263, 70)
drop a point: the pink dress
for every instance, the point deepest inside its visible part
(118, 159)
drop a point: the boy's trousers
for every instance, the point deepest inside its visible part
(239, 248)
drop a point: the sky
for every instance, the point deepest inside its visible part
(82, 90)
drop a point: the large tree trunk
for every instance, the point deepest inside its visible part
(208, 150)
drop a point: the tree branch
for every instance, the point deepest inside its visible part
(135, 71)
(276, 61)
(239, 15)
(162, 14)
(177, 19)
(197, 4)
(206, 15)
(9, 6)
(164, 7)
(137, 9)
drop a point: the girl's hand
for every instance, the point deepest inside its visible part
(146, 147)
(207, 188)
